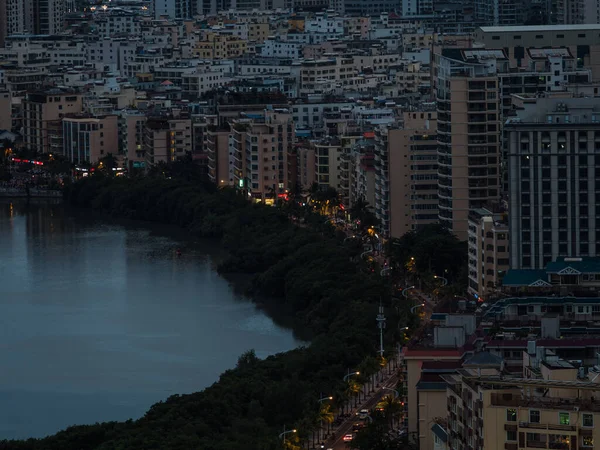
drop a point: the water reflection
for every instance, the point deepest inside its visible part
(100, 320)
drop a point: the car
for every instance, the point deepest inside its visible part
(363, 414)
(357, 427)
(348, 437)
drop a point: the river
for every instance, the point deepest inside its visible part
(99, 320)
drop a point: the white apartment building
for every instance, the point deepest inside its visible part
(324, 23)
(195, 84)
(275, 48)
(113, 54)
(116, 21)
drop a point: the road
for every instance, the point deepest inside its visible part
(370, 403)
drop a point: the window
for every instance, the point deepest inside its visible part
(534, 416)
(563, 418)
(588, 420)
(588, 441)
(511, 415)
(511, 435)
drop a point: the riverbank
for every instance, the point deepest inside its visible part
(30, 193)
(307, 271)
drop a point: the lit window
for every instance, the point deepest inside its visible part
(511, 415)
(588, 441)
(564, 418)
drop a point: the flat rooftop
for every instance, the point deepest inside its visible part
(524, 29)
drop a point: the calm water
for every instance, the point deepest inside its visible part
(98, 321)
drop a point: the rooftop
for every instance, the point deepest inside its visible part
(532, 28)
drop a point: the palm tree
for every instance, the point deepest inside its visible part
(325, 416)
(391, 407)
(353, 390)
(362, 212)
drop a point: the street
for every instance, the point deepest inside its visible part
(390, 382)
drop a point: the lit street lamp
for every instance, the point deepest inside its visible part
(416, 306)
(384, 270)
(444, 280)
(350, 374)
(325, 398)
(286, 432)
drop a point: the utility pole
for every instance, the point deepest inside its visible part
(381, 326)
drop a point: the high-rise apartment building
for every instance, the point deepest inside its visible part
(553, 168)
(47, 16)
(219, 162)
(413, 188)
(12, 18)
(261, 146)
(32, 16)
(468, 133)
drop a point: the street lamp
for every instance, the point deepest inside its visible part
(416, 306)
(286, 432)
(396, 393)
(444, 280)
(324, 398)
(384, 270)
(405, 291)
(350, 374)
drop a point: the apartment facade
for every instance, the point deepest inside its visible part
(552, 173)
(261, 147)
(468, 131)
(131, 138)
(217, 148)
(42, 118)
(413, 196)
(583, 41)
(88, 139)
(556, 410)
(488, 252)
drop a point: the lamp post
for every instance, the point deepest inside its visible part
(346, 379)
(350, 374)
(384, 270)
(405, 291)
(281, 436)
(396, 393)
(416, 306)
(444, 280)
(321, 400)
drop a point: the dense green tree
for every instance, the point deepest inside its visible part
(431, 250)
